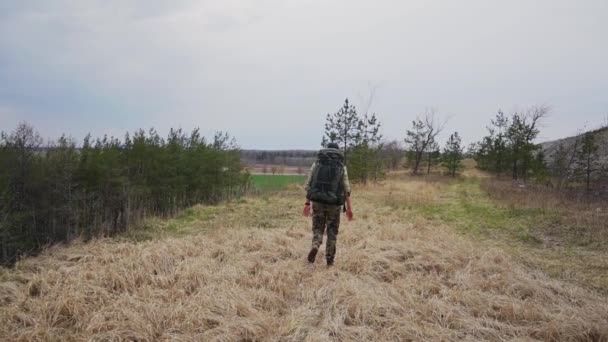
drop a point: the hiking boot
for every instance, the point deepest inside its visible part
(330, 262)
(312, 255)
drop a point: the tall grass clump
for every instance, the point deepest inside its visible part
(570, 215)
(398, 277)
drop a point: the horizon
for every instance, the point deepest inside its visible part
(78, 142)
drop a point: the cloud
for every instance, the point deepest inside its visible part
(8, 117)
(268, 71)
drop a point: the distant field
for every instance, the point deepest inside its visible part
(267, 169)
(275, 182)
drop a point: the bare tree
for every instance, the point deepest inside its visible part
(564, 160)
(392, 154)
(424, 131)
(368, 101)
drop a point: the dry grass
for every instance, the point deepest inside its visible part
(398, 277)
(571, 230)
(571, 217)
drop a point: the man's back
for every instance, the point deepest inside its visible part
(328, 178)
(328, 188)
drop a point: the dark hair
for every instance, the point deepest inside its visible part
(333, 145)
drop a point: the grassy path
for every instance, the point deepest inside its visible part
(520, 231)
(236, 272)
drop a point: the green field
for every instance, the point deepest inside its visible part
(275, 182)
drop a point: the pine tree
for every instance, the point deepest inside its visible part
(432, 155)
(510, 143)
(588, 157)
(493, 152)
(359, 138)
(23, 186)
(364, 162)
(55, 193)
(341, 127)
(452, 154)
(521, 134)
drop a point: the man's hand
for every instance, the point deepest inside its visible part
(349, 215)
(307, 211)
(349, 209)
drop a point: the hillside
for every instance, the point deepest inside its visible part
(425, 260)
(550, 147)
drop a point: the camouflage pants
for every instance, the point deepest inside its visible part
(325, 215)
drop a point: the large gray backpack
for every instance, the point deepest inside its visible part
(326, 184)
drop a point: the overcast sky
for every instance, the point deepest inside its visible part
(268, 71)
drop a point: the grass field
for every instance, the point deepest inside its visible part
(426, 259)
(275, 182)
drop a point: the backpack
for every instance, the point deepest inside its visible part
(326, 182)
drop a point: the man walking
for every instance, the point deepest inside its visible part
(328, 188)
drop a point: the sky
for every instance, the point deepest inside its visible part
(268, 71)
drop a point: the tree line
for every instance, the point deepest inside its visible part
(368, 156)
(295, 158)
(509, 148)
(422, 148)
(58, 191)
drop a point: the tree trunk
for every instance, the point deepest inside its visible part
(417, 162)
(588, 174)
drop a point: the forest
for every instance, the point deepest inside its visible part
(59, 191)
(577, 163)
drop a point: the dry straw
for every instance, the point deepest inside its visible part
(397, 278)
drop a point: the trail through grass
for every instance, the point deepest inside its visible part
(417, 264)
(521, 231)
(462, 204)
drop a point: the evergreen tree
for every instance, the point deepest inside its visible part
(521, 134)
(510, 143)
(359, 137)
(433, 155)
(57, 193)
(365, 155)
(342, 127)
(588, 157)
(540, 170)
(452, 154)
(493, 152)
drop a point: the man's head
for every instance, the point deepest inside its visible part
(333, 145)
